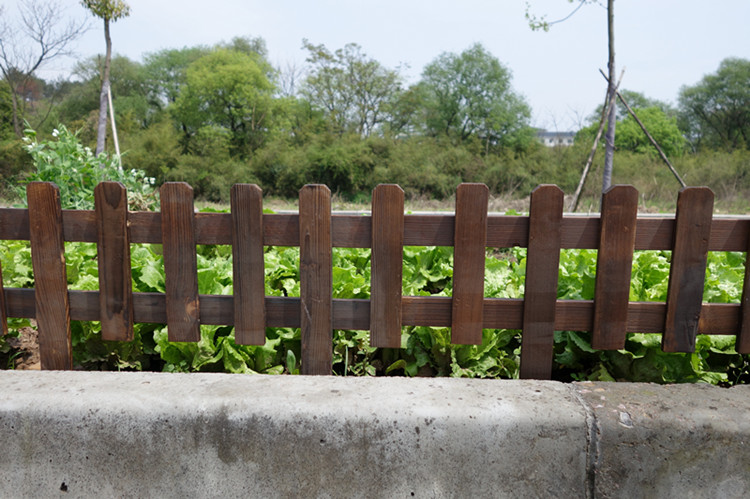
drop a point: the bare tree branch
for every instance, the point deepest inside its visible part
(39, 37)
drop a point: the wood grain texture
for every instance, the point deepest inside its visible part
(50, 277)
(540, 296)
(248, 264)
(614, 266)
(742, 345)
(180, 262)
(3, 308)
(386, 266)
(687, 272)
(578, 232)
(470, 241)
(316, 277)
(113, 248)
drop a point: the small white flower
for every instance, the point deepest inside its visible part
(55, 133)
(152, 180)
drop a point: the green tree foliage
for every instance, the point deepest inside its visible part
(469, 95)
(715, 112)
(355, 93)
(227, 90)
(166, 73)
(663, 129)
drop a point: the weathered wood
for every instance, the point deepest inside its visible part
(687, 272)
(115, 286)
(353, 231)
(386, 266)
(742, 345)
(470, 241)
(180, 262)
(316, 278)
(3, 309)
(248, 264)
(50, 278)
(614, 266)
(542, 262)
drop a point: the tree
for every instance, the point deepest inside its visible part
(716, 111)
(470, 95)
(609, 138)
(41, 36)
(229, 92)
(353, 91)
(108, 11)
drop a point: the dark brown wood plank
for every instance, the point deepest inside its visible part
(540, 294)
(614, 266)
(248, 264)
(180, 262)
(742, 344)
(428, 230)
(281, 311)
(50, 277)
(468, 264)
(504, 231)
(3, 309)
(579, 232)
(653, 233)
(687, 272)
(386, 266)
(115, 286)
(316, 277)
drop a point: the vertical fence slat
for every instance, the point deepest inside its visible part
(614, 266)
(50, 277)
(687, 273)
(180, 261)
(3, 309)
(115, 287)
(248, 264)
(316, 276)
(470, 240)
(387, 266)
(540, 297)
(742, 344)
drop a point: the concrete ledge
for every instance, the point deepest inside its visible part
(78, 434)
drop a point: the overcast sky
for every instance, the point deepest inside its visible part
(663, 44)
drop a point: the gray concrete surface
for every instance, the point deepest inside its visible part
(84, 434)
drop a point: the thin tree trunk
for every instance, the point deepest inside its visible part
(101, 135)
(609, 137)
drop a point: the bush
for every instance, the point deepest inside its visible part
(76, 171)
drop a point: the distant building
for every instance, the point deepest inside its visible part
(556, 139)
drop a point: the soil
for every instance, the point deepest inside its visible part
(24, 353)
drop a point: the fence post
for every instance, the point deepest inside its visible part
(687, 272)
(387, 266)
(248, 264)
(113, 251)
(470, 242)
(614, 264)
(180, 262)
(540, 296)
(50, 277)
(316, 279)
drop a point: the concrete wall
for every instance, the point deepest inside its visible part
(84, 434)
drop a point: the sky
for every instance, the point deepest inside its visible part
(662, 44)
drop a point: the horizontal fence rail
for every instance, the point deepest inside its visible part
(616, 234)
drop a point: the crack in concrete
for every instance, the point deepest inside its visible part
(593, 433)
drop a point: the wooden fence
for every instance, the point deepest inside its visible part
(690, 234)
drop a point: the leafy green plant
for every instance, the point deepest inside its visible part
(77, 171)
